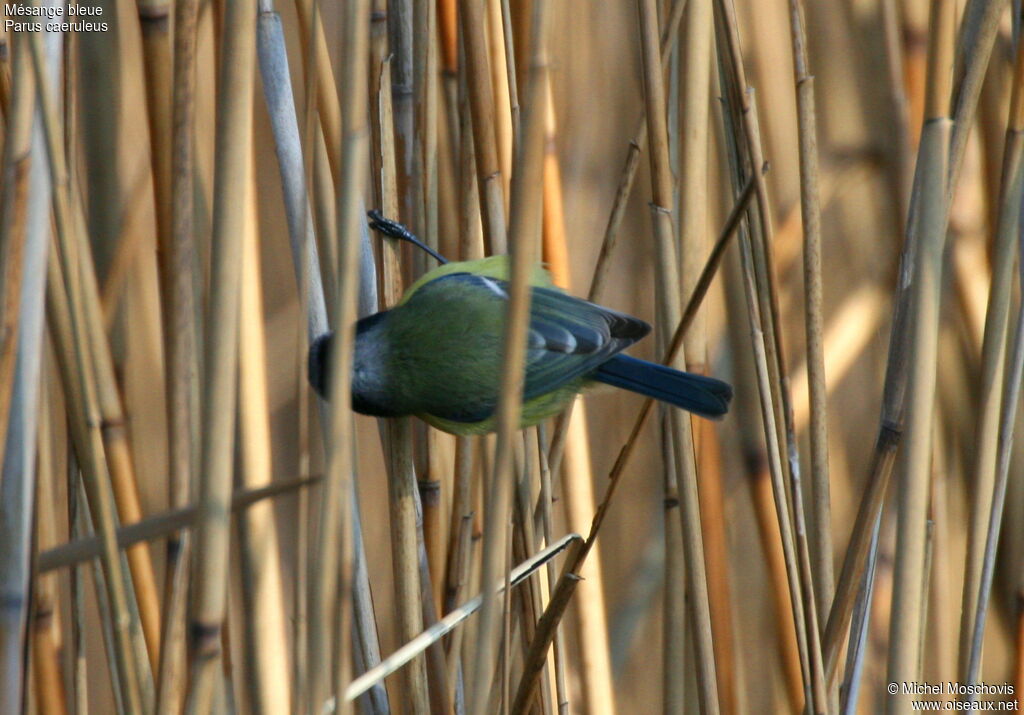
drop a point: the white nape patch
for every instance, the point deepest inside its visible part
(495, 288)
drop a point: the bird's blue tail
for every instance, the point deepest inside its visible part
(704, 396)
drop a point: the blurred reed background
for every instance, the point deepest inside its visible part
(818, 202)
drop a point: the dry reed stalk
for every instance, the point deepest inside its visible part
(437, 444)
(578, 475)
(720, 594)
(231, 167)
(331, 599)
(481, 102)
(773, 385)
(79, 700)
(902, 168)
(46, 629)
(405, 553)
(508, 40)
(775, 564)
(977, 36)
(679, 435)
(756, 296)
(158, 526)
(693, 126)
(892, 418)
(277, 91)
(179, 354)
(118, 453)
(81, 376)
(908, 588)
(996, 440)
(994, 354)
(397, 433)
(400, 46)
(155, 19)
(546, 498)
(264, 634)
(506, 111)
(847, 335)
(810, 204)
(328, 108)
(669, 37)
(458, 615)
(526, 217)
(747, 126)
(13, 203)
(570, 453)
(569, 577)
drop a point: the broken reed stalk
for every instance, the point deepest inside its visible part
(810, 211)
(231, 170)
(81, 376)
(158, 526)
(526, 216)
(179, 353)
(679, 434)
(993, 361)
(434, 633)
(481, 103)
(989, 428)
(28, 214)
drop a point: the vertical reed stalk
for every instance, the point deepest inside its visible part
(667, 275)
(331, 598)
(264, 636)
(810, 211)
(179, 353)
(908, 589)
(993, 360)
(232, 166)
(46, 630)
(130, 671)
(481, 102)
(526, 213)
(26, 214)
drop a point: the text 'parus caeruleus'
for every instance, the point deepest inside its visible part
(437, 353)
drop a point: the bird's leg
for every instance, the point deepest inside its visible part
(397, 230)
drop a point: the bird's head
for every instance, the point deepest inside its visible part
(370, 393)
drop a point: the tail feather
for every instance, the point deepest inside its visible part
(704, 396)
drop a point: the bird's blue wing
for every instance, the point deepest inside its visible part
(568, 336)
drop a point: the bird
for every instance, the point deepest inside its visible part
(437, 353)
